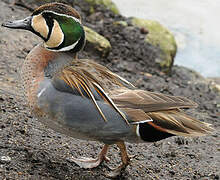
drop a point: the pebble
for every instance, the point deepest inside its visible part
(5, 159)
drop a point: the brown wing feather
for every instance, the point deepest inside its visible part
(102, 75)
(149, 101)
(178, 123)
(137, 115)
(138, 105)
(164, 110)
(79, 76)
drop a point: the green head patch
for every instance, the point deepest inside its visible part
(60, 27)
(65, 32)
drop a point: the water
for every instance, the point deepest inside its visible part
(195, 25)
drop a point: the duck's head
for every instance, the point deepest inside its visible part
(59, 25)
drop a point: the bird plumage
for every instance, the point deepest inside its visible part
(85, 100)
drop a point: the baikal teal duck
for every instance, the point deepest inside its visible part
(85, 100)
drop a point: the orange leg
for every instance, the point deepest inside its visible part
(88, 163)
(125, 161)
(76, 56)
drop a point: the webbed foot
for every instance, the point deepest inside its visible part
(89, 163)
(125, 161)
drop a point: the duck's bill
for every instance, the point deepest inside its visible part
(19, 24)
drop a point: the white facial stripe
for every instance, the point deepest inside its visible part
(39, 24)
(56, 37)
(69, 47)
(74, 18)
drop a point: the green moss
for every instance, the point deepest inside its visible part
(99, 42)
(161, 37)
(107, 3)
(91, 10)
(123, 23)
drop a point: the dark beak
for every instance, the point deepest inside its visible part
(19, 24)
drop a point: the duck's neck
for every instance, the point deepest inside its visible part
(39, 64)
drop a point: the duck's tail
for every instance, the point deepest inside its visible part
(171, 123)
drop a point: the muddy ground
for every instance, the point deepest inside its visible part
(28, 150)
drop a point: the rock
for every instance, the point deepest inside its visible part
(214, 85)
(215, 80)
(5, 159)
(188, 74)
(106, 3)
(97, 42)
(181, 140)
(160, 37)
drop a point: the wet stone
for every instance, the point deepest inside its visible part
(5, 159)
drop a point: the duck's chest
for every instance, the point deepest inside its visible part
(32, 74)
(41, 96)
(39, 64)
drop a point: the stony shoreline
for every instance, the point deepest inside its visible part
(30, 151)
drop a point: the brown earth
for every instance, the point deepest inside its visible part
(28, 150)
